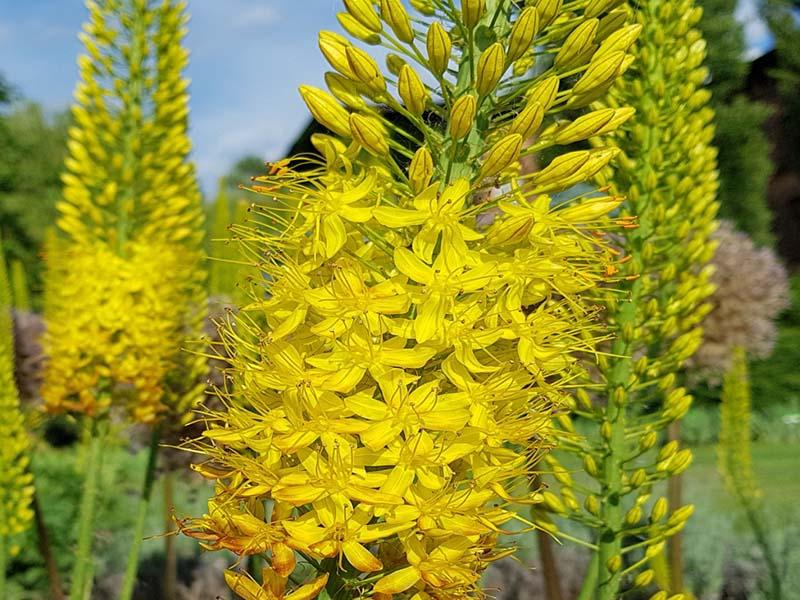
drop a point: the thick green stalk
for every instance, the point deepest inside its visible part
(610, 541)
(81, 583)
(170, 556)
(132, 566)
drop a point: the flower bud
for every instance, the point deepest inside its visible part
(605, 431)
(365, 69)
(462, 115)
(528, 121)
(578, 44)
(472, 11)
(357, 30)
(638, 478)
(668, 451)
(491, 66)
(412, 91)
(503, 154)
(439, 47)
(654, 550)
(553, 503)
(395, 63)
(420, 171)
(659, 509)
(548, 9)
(333, 48)
(544, 92)
(525, 29)
(647, 441)
(614, 564)
(364, 13)
(633, 516)
(644, 578)
(369, 133)
(680, 516)
(599, 73)
(345, 90)
(590, 465)
(326, 110)
(394, 13)
(592, 505)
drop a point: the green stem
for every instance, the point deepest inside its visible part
(3, 565)
(590, 579)
(129, 581)
(81, 583)
(766, 549)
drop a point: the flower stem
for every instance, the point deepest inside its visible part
(129, 581)
(3, 565)
(171, 558)
(80, 584)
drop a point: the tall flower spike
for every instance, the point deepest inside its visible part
(421, 310)
(125, 287)
(667, 170)
(16, 482)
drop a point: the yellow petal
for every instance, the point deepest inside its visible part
(310, 590)
(397, 582)
(361, 558)
(245, 587)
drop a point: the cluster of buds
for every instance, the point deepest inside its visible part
(125, 287)
(667, 171)
(421, 311)
(16, 482)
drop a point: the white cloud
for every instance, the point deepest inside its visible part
(255, 16)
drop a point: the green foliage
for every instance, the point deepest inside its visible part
(19, 286)
(782, 19)
(745, 167)
(32, 150)
(744, 162)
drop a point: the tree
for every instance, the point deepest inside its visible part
(744, 162)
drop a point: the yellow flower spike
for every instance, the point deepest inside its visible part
(16, 493)
(326, 110)
(146, 270)
(365, 69)
(417, 333)
(352, 26)
(412, 90)
(420, 171)
(525, 29)
(462, 116)
(363, 12)
(439, 48)
(504, 153)
(369, 133)
(491, 66)
(394, 13)
(472, 11)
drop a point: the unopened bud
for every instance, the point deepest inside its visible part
(420, 171)
(394, 13)
(462, 115)
(644, 578)
(638, 478)
(614, 564)
(326, 110)
(364, 13)
(369, 133)
(412, 91)
(472, 11)
(365, 69)
(502, 155)
(605, 431)
(439, 47)
(633, 516)
(522, 33)
(647, 441)
(592, 505)
(491, 66)
(590, 465)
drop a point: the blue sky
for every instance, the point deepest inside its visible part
(247, 59)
